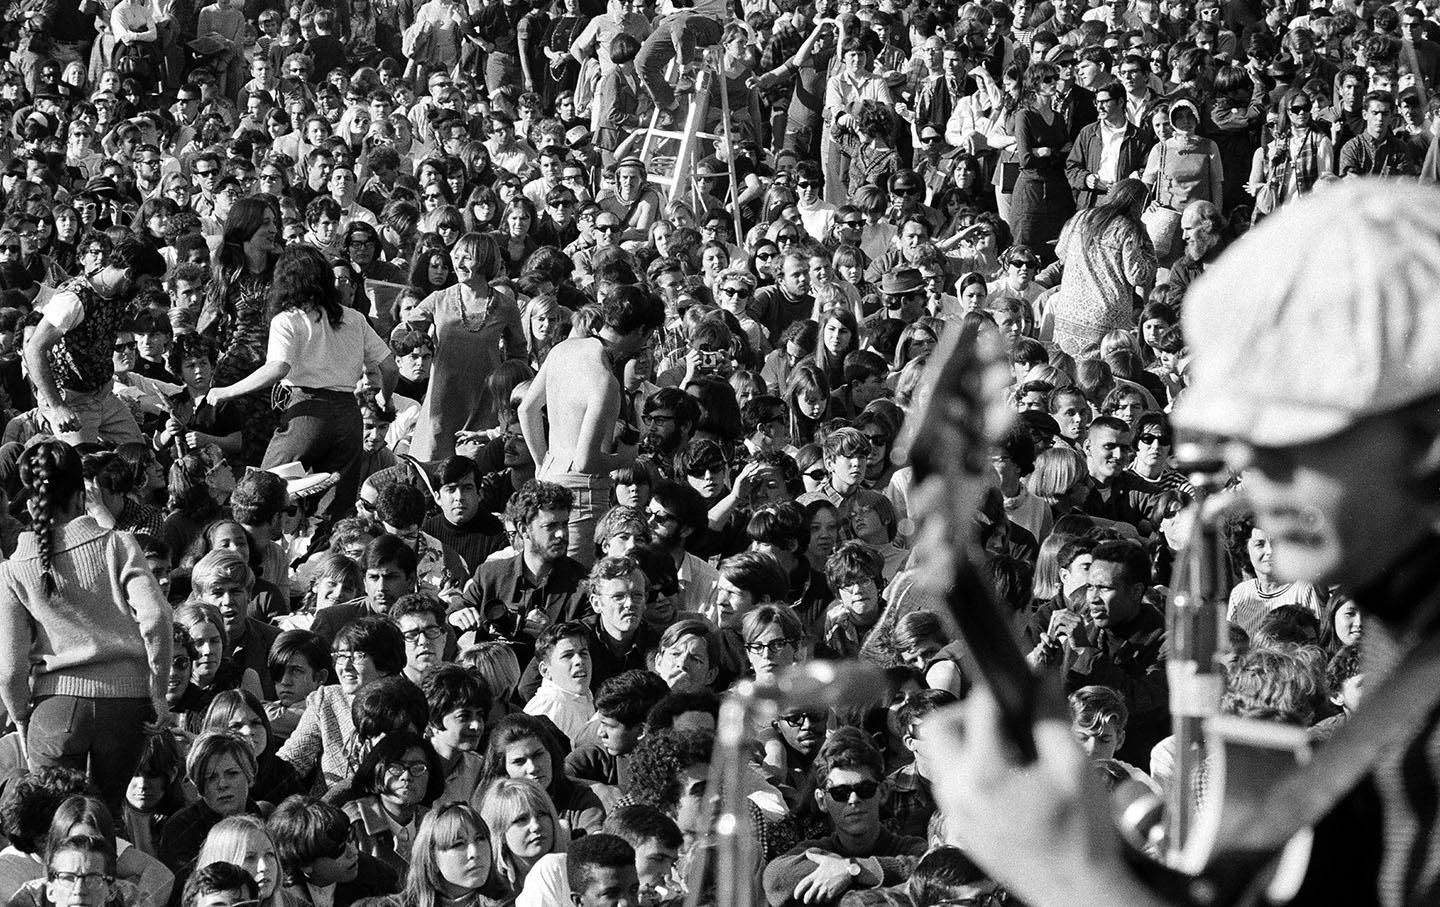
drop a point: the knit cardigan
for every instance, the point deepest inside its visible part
(104, 634)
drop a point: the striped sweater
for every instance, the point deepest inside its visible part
(104, 634)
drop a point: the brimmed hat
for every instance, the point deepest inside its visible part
(1060, 53)
(300, 482)
(102, 187)
(577, 136)
(902, 281)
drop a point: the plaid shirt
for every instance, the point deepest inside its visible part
(910, 803)
(785, 41)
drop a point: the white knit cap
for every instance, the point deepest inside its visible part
(1326, 313)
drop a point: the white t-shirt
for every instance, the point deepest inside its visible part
(321, 356)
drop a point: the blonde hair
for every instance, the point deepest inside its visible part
(506, 800)
(441, 828)
(229, 841)
(496, 662)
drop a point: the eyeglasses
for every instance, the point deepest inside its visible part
(1300, 108)
(764, 256)
(853, 222)
(81, 879)
(907, 190)
(816, 474)
(930, 139)
(92, 250)
(607, 228)
(430, 633)
(1024, 263)
(1148, 438)
(741, 292)
(1049, 80)
(203, 173)
(350, 658)
(661, 516)
(130, 345)
(787, 237)
(841, 793)
(14, 250)
(795, 719)
(775, 647)
(413, 769)
(806, 184)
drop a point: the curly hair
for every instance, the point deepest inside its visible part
(304, 278)
(52, 474)
(535, 496)
(656, 764)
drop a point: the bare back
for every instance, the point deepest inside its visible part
(581, 398)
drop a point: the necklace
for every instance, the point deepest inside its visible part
(476, 325)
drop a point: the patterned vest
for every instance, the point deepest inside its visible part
(83, 360)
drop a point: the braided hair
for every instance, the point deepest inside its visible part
(52, 476)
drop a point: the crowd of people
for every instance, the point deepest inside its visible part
(398, 475)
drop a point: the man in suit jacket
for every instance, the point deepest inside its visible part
(1090, 169)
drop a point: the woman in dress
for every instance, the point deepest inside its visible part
(1042, 200)
(1181, 169)
(235, 312)
(1109, 265)
(476, 327)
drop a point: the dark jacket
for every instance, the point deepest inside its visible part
(1084, 160)
(373, 879)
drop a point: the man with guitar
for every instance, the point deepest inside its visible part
(1316, 342)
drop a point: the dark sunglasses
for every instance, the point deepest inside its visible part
(841, 793)
(807, 184)
(858, 222)
(816, 474)
(795, 719)
(607, 228)
(122, 347)
(1148, 438)
(1298, 108)
(740, 292)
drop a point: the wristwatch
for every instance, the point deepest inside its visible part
(852, 866)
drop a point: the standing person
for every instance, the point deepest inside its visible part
(318, 350)
(70, 357)
(234, 314)
(476, 326)
(1182, 168)
(1041, 201)
(86, 633)
(1106, 151)
(1339, 469)
(1109, 266)
(583, 409)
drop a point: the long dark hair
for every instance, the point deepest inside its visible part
(304, 278)
(53, 475)
(1121, 203)
(245, 219)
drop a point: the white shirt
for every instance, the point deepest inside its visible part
(569, 711)
(697, 581)
(322, 356)
(1111, 138)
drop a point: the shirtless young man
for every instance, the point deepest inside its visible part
(578, 391)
